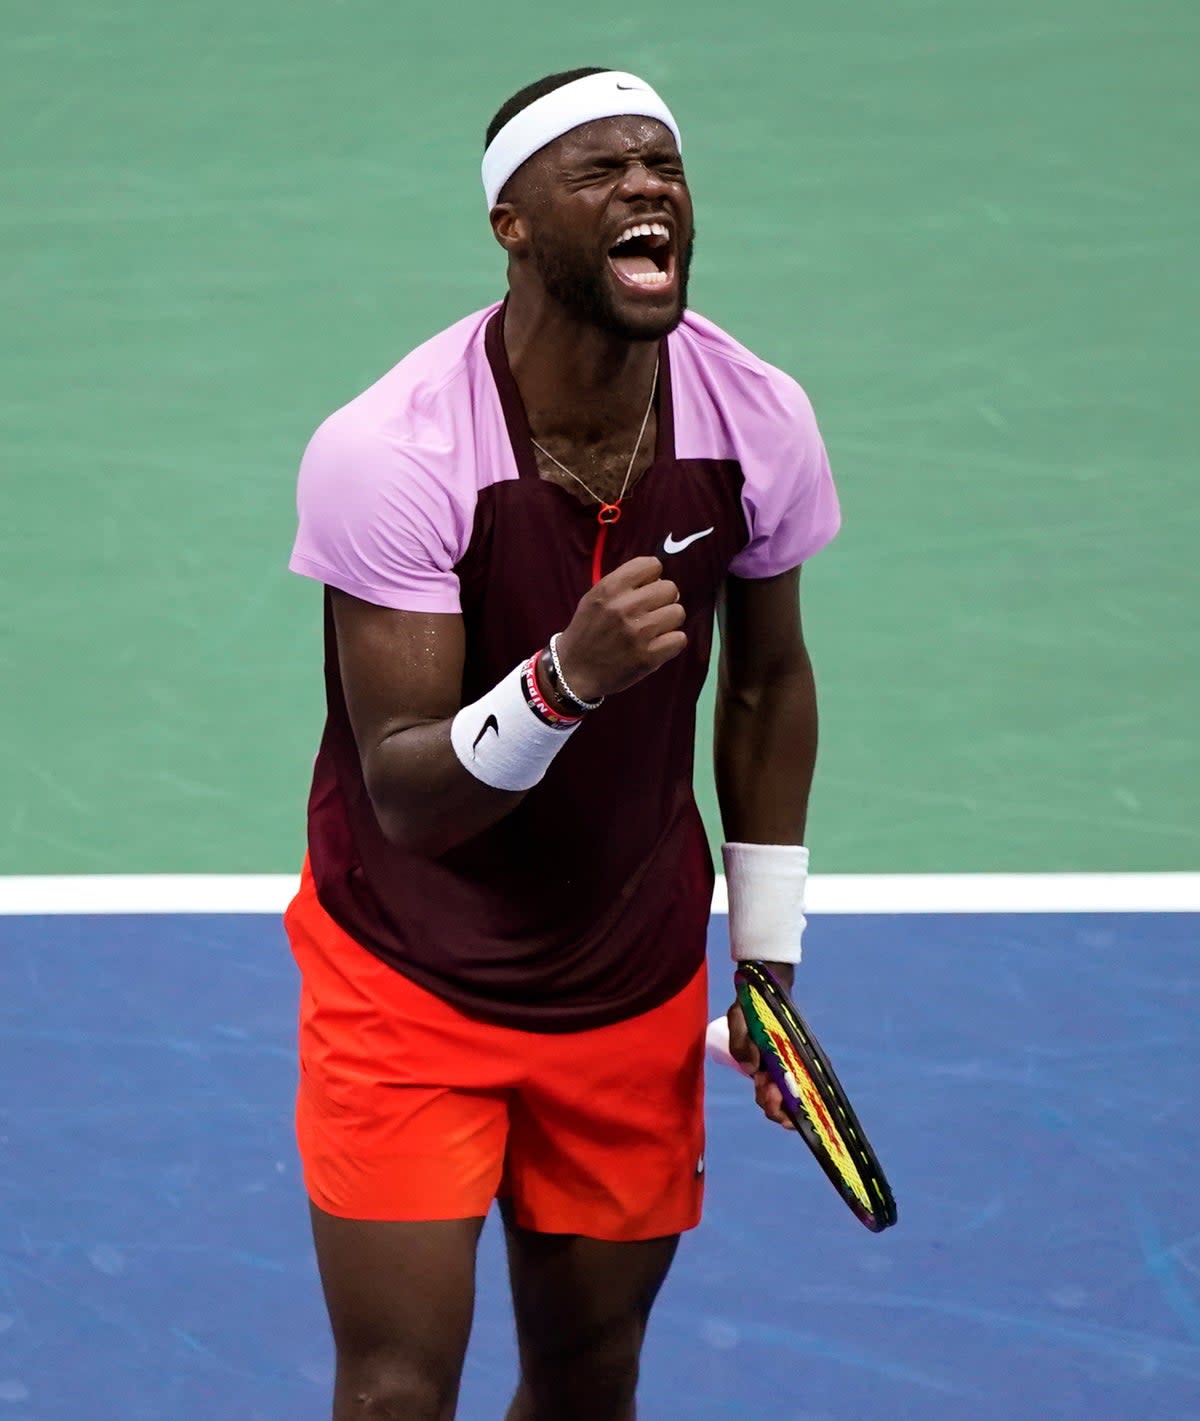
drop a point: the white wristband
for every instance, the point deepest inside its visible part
(765, 883)
(502, 740)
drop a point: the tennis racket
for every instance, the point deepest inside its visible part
(813, 1098)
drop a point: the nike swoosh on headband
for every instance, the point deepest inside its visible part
(586, 100)
(671, 546)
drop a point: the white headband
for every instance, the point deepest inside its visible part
(607, 95)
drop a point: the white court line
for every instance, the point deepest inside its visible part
(827, 893)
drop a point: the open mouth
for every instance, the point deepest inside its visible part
(643, 256)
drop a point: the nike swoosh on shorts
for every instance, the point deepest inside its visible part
(671, 546)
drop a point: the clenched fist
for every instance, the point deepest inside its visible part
(624, 628)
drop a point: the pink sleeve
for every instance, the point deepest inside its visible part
(376, 520)
(788, 495)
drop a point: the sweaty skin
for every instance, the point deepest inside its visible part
(765, 749)
(582, 343)
(585, 387)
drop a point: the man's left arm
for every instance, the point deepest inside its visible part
(765, 746)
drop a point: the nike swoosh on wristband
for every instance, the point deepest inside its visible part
(491, 723)
(671, 546)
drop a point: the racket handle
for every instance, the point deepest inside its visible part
(716, 1045)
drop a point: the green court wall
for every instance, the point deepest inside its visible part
(969, 230)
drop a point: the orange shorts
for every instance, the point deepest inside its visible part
(408, 1109)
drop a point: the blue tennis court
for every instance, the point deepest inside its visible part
(1030, 1083)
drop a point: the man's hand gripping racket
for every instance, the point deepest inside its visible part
(765, 1037)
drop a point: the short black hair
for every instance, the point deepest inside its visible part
(526, 96)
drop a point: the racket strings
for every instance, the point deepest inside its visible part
(866, 1173)
(824, 1109)
(811, 1099)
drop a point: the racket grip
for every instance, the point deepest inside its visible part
(716, 1045)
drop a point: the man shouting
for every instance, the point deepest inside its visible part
(525, 530)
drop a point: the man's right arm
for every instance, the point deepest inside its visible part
(402, 678)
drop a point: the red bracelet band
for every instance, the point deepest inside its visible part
(540, 706)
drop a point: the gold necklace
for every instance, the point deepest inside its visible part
(608, 512)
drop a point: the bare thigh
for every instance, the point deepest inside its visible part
(581, 1307)
(400, 1298)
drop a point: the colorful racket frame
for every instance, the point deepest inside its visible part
(813, 1098)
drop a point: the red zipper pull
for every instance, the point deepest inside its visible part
(608, 513)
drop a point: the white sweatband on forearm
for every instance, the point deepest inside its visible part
(503, 738)
(765, 884)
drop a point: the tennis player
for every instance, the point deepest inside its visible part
(524, 531)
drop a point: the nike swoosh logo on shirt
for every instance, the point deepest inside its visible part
(671, 546)
(630, 86)
(491, 723)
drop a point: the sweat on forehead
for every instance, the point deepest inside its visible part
(608, 142)
(609, 94)
(627, 133)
